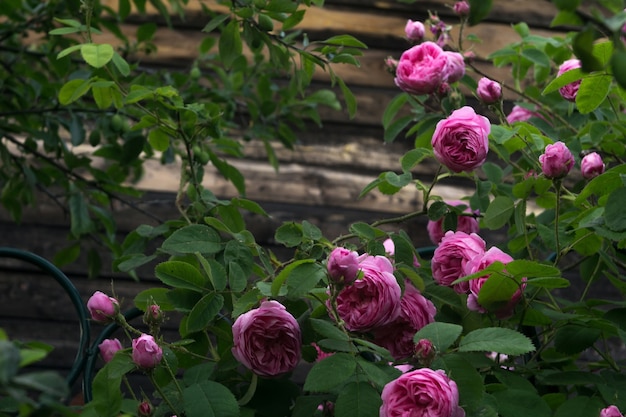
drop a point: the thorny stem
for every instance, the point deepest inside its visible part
(557, 185)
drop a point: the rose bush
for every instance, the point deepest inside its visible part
(365, 324)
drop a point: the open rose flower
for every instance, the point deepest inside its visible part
(592, 165)
(373, 300)
(421, 69)
(267, 340)
(146, 352)
(422, 392)
(610, 411)
(416, 311)
(454, 252)
(475, 285)
(556, 161)
(569, 91)
(461, 141)
(102, 307)
(465, 224)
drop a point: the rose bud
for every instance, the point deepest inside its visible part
(461, 8)
(592, 165)
(144, 409)
(569, 91)
(488, 91)
(146, 352)
(455, 67)
(556, 161)
(108, 347)
(520, 114)
(343, 266)
(102, 307)
(414, 31)
(424, 352)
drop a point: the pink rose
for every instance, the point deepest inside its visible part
(455, 250)
(569, 91)
(424, 352)
(267, 340)
(479, 263)
(421, 69)
(373, 300)
(422, 392)
(146, 352)
(520, 114)
(455, 67)
(342, 265)
(461, 141)
(461, 8)
(465, 224)
(556, 161)
(108, 347)
(488, 91)
(390, 250)
(610, 411)
(416, 311)
(102, 307)
(321, 355)
(414, 31)
(592, 165)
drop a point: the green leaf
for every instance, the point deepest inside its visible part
(345, 40)
(289, 234)
(580, 406)
(215, 22)
(521, 403)
(348, 97)
(193, 238)
(479, 9)
(203, 312)
(358, 399)
(468, 380)
(303, 278)
(330, 373)
(328, 330)
(277, 283)
(536, 56)
(592, 92)
(68, 51)
(499, 212)
(107, 399)
(121, 64)
(159, 139)
(442, 335)
(574, 338)
(180, 274)
(80, 222)
(9, 361)
(618, 65)
(614, 213)
(412, 158)
(73, 90)
(209, 399)
(230, 46)
(156, 295)
(392, 109)
(97, 55)
(497, 291)
(496, 339)
(525, 268)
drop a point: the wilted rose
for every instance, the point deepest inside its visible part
(569, 91)
(414, 31)
(488, 91)
(416, 311)
(422, 392)
(467, 224)
(267, 340)
(556, 161)
(421, 69)
(146, 352)
(592, 165)
(373, 300)
(108, 347)
(102, 307)
(461, 141)
(455, 250)
(477, 264)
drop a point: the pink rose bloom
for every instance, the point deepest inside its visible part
(108, 347)
(455, 67)
(342, 265)
(321, 355)
(414, 31)
(455, 250)
(461, 141)
(462, 8)
(416, 311)
(479, 263)
(592, 165)
(610, 411)
(146, 352)
(102, 307)
(488, 91)
(421, 69)
(465, 224)
(421, 393)
(390, 250)
(372, 301)
(569, 91)
(267, 340)
(556, 161)
(520, 114)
